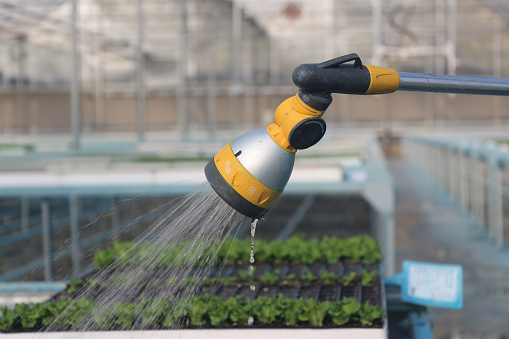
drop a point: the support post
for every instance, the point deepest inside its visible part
(75, 234)
(499, 207)
(75, 80)
(379, 192)
(115, 219)
(46, 240)
(182, 70)
(481, 185)
(25, 214)
(140, 66)
(212, 49)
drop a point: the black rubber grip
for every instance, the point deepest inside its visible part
(333, 76)
(229, 195)
(343, 79)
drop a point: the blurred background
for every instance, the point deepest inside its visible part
(197, 68)
(109, 109)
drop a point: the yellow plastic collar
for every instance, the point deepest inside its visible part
(242, 181)
(383, 80)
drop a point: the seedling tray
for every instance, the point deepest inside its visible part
(320, 282)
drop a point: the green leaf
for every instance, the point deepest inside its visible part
(308, 276)
(240, 314)
(74, 285)
(153, 311)
(228, 280)
(247, 275)
(327, 277)
(266, 310)
(368, 278)
(219, 312)
(174, 314)
(9, 320)
(318, 313)
(368, 313)
(350, 279)
(198, 311)
(270, 278)
(351, 306)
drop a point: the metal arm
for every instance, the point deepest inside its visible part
(317, 81)
(412, 82)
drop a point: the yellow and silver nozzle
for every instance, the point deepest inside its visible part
(251, 172)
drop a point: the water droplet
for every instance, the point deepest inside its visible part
(253, 230)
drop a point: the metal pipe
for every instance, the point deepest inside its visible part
(74, 214)
(140, 68)
(25, 214)
(499, 207)
(413, 82)
(46, 240)
(75, 80)
(115, 219)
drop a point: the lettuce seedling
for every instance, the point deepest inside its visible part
(350, 279)
(153, 311)
(228, 280)
(269, 278)
(327, 277)
(318, 313)
(368, 278)
(126, 314)
(174, 314)
(308, 276)
(247, 275)
(290, 277)
(198, 310)
(209, 281)
(74, 285)
(368, 313)
(289, 309)
(240, 313)
(9, 320)
(219, 312)
(266, 310)
(192, 281)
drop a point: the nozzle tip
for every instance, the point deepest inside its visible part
(229, 195)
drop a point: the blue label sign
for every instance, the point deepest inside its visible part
(438, 285)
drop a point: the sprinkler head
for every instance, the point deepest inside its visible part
(250, 172)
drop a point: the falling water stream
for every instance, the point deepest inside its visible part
(202, 220)
(251, 256)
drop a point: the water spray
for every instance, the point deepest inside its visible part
(251, 172)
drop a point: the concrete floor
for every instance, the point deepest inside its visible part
(430, 228)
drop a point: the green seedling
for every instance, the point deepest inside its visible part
(270, 278)
(368, 313)
(75, 285)
(345, 311)
(327, 277)
(193, 281)
(248, 274)
(290, 277)
(295, 250)
(308, 276)
(209, 281)
(228, 280)
(350, 279)
(368, 278)
(199, 311)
